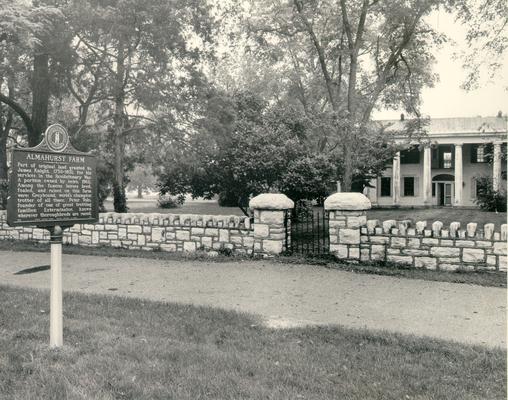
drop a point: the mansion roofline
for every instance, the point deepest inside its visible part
(454, 126)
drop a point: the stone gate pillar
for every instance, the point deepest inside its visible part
(347, 215)
(269, 231)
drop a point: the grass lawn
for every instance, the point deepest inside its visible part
(149, 205)
(443, 214)
(117, 348)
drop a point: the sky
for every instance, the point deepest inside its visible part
(446, 98)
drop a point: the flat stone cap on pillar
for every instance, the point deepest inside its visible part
(271, 201)
(347, 201)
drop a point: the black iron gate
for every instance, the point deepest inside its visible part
(307, 231)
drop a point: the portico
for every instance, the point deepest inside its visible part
(443, 170)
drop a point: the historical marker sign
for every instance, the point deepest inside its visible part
(53, 186)
(52, 183)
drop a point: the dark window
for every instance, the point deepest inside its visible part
(447, 159)
(434, 189)
(446, 156)
(478, 188)
(481, 153)
(410, 156)
(409, 186)
(386, 186)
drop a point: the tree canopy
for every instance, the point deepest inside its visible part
(244, 147)
(265, 93)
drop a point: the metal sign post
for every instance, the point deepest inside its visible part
(55, 312)
(53, 186)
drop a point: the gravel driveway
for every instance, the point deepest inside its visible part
(285, 295)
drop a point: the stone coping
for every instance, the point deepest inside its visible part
(158, 219)
(271, 201)
(347, 201)
(436, 229)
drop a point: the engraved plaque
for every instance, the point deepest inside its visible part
(52, 183)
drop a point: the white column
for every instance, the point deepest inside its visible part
(396, 180)
(496, 166)
(427, 177)
(458, 175)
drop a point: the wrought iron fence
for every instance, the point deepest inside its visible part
(307, 231)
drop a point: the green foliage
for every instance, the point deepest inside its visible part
(3, 194)
(244, 148)
(166, 201)
(141, 179)
(489, 199)
(487, 39)
(120, 201)
(104, 183)
(227, 199)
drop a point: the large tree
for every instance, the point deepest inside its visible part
(27, 34)
(244, 146)
(487, 39)
(347, 58)
(146, 59)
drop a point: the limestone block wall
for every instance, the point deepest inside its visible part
(269, 222)
(435, 246)
(431, 246)
(166, 232)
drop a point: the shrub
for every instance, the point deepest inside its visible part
(166, 201)
(227, 199)
(489, 199)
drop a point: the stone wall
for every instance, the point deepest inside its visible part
(167, 232)
(177, 232)
(352, 236)
(435, 246)
(431, 246)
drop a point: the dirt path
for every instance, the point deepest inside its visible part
(285, 295)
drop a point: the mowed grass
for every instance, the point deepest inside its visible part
(205, 207)
(443, 214)
(446, 215)
(117, 348)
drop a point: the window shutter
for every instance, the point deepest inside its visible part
(417, 186)
(434, 159)
(473, 188)
(489, 153)
(402, 186)
(473, 153)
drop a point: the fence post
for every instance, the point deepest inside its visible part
(347, 215)
(269, 231)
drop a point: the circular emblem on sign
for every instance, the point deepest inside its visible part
(57, 137)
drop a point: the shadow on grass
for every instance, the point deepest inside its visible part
(33, 270)
(136, 349)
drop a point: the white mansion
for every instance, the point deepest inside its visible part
(444, 172)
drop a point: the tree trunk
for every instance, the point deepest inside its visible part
(140, 192)
(40, 98)
(4, 135)
(3, 169)
(347, 178)
(120, 202)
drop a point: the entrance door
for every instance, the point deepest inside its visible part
(445, 193)
(443, 189)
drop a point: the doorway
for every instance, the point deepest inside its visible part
(445, 191)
